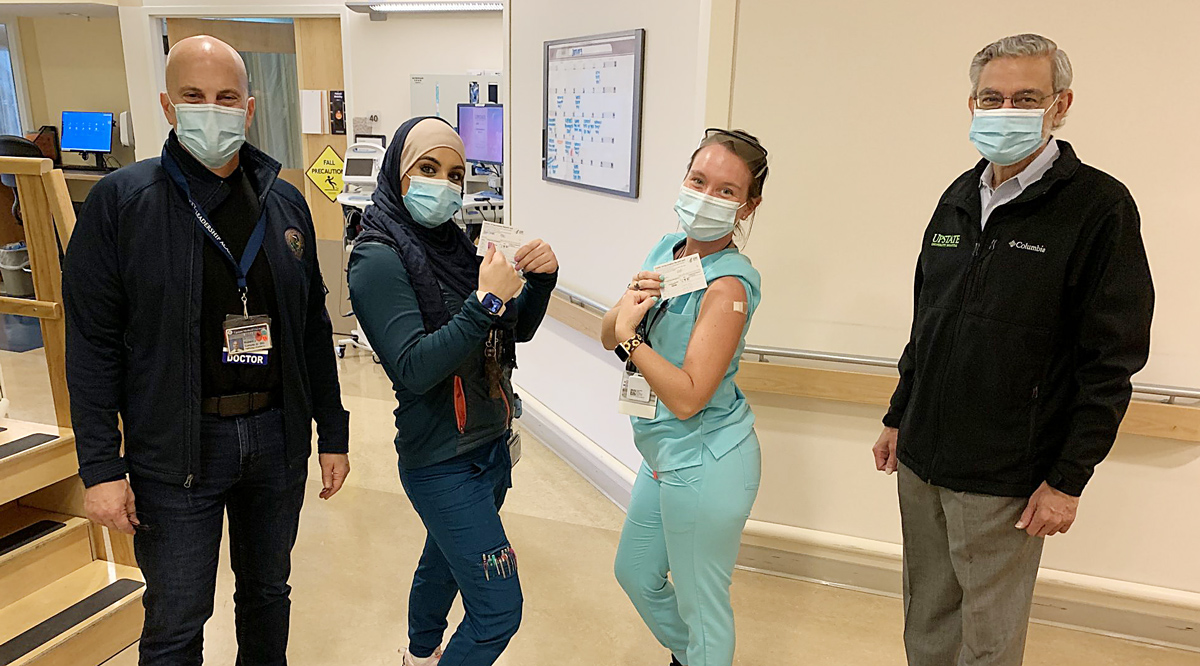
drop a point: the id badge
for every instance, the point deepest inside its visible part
(247, 334)
(637, 398)
(247, 358)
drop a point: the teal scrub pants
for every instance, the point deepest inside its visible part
(689, 522)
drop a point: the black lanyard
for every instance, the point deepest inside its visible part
(240, 269)
(645, 328)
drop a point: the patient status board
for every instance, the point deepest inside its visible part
(593, 100)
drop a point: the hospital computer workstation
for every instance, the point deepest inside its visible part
(89, 133)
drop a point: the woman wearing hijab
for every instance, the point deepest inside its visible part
(444, 324)
(702, 464)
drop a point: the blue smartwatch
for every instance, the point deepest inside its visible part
(492, 304)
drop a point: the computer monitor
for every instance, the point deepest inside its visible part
(482, 132)
(87, 132)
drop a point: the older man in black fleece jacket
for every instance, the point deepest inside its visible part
(1032, 311)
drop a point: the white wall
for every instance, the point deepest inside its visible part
(600, 239)
(384, 55)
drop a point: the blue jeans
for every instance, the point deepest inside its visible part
(244, 472)
(466, 551)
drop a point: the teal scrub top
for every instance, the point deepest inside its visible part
(666, 442)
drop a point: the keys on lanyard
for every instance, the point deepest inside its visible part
(247, 338)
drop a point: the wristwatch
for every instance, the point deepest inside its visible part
(492, 303)
(625, 349)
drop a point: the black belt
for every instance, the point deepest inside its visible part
(241, 404)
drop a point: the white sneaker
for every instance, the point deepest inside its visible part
(431, 660)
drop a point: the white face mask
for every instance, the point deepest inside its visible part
(704, 217)
(212, 133)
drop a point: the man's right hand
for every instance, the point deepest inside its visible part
(111, 505)
(885, 450)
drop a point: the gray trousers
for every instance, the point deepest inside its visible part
(968, 576)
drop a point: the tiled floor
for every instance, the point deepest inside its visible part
(356, 554)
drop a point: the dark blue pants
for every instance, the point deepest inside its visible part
(466, 551)
(244, 472)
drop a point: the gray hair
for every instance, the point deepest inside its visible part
(1027, 45)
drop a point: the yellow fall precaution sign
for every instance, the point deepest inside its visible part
(326, 173)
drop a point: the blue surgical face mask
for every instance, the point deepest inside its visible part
(212, 133)
(1007, 136)
(703, 217)
(432, 201)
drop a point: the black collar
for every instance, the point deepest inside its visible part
(965, 192)
(209, 189)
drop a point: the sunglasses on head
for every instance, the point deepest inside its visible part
(738, 135)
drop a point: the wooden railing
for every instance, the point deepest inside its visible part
(1151, 418)
(49, 219)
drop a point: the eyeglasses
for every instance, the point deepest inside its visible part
(990, 101)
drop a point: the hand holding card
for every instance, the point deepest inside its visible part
(682, 276)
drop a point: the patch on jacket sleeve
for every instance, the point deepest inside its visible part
(295, 241)
(500, 564)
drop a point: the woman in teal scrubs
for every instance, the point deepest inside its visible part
(702, 465)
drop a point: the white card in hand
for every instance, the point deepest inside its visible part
(506, 239)
(682, 276)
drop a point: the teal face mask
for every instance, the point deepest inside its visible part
(1007, 136)
(705, 218)
(432, 201)
(212, 133)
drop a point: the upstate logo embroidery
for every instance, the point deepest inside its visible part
(1026, 246)
(295, 242)
(946, 240)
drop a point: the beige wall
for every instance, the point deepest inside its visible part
(74, 64)
(863, 107)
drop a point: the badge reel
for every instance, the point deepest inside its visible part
(247, 339)
(637, 398)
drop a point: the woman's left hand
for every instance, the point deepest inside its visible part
(536, 256)
(633, 308)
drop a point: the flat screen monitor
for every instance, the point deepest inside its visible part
(360, 166)
(482, 132)
(87, 131)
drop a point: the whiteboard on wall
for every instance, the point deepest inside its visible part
(592, 112)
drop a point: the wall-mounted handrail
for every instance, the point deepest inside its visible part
(1171, 392)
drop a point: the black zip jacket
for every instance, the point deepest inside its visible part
(132, 286)
(1025, 334)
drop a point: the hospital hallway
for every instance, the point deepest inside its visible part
(356, 554)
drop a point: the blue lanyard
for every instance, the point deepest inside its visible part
(240, 269)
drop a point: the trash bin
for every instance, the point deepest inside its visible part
(14, 268)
